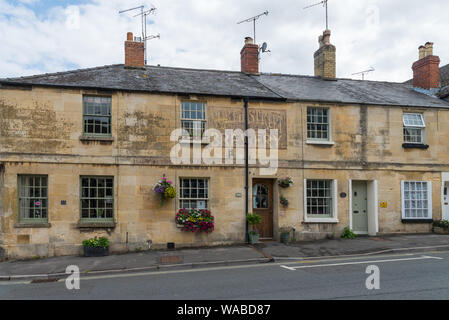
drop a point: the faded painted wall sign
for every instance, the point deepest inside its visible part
(227, 118)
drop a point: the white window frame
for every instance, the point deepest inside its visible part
(324, 141)
(334, 218)
(421, 127)
(181, 198)
(429, 201)
(195, 122)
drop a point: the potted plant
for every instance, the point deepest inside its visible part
(96, 247)
(165, 189)
(253, 220)
(285, 183)
(285, 234)
(441, 227)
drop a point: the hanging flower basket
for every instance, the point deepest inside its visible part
(285, 183)
(283, 201)
(165, 189)
(195, 220)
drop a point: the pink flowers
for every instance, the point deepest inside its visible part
(195, 220)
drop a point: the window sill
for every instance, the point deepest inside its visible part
(415, 146)
(96, 138)
(320, 143)
(32, 225)
(320, 220)
(190, 142)
(95, 225)
(417, 220)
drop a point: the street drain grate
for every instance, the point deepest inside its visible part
(45, 280)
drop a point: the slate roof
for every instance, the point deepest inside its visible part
(154, 79)
(307, 88)
(444, 75)
(234, 84)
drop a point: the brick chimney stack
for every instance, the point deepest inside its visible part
(325, 60)
(249, 57)
(134, 52)
(426, 71)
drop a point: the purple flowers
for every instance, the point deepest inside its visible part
(165, 189)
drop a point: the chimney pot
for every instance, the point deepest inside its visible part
(326, 37)
(422, 52)
(429, 48)
(249, 40)
(129, 36)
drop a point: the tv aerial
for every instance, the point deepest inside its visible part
(324, 3)
(143, 14)
(254, 19)
(364, 72)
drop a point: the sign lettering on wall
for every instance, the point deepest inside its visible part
(229, 118)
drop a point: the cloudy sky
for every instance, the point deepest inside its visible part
(39, 36)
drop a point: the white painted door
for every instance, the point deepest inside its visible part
(446, 201)
(359, 207)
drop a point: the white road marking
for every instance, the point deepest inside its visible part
(261, 265)
(365, 254)
(359, 262)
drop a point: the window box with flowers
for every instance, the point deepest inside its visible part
(165, 189)
(193, 220)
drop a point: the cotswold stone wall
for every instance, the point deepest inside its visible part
(40, 132)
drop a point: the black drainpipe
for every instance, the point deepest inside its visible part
(245, 100)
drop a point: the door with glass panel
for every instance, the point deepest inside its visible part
(446, 201)
(263, 206)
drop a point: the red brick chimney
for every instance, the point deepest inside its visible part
(134, 52)
(426, 71)
(249, 57)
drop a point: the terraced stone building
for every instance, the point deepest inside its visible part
(80, 152)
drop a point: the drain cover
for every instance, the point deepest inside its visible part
(170, 259)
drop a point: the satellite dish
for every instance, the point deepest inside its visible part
(264, 47)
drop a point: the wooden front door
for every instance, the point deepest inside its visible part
(263, 206)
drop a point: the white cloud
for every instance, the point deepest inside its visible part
(205, 34)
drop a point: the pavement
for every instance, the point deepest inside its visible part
(264, 252)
